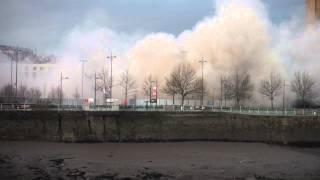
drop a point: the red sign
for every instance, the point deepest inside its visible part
(154, 92)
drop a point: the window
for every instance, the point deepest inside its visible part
(34, 68)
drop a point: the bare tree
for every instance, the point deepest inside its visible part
(222, 87)
(34, 93)
(7, 91)
(184, 81)
(22, 91)
(270, 87)
(127, 83)
(76, 94)
(169, 89)
(104, 82)
(146, 86)
(225, 90)
(303, 85)
(54, 93)
(240, 87)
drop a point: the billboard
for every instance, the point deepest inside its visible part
(154, 92)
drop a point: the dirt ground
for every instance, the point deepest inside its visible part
(135, 161)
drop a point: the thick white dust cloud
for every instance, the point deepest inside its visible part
(240, 35)
(236, 37)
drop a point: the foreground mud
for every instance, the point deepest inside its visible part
(144, 161)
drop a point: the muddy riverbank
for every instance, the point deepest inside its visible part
(183, 160)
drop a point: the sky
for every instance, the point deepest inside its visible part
(42, 25)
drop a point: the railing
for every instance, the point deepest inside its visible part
(164, 108)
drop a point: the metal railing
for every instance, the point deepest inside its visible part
(162, 108)
(28, 104)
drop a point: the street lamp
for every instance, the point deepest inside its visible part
(95, 88)
(202, 61)
(284, 97)
(111, 57)
(83, 61)
(154, 92)
(60, 97)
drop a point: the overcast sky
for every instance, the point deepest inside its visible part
(42, 24)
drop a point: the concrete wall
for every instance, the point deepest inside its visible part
(156, 126)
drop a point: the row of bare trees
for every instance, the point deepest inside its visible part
(184, 83)
(238, 87)
(22, 92)
(302, 85)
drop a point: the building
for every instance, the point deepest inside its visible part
(312, 11)
(24, 67)
(34, 71)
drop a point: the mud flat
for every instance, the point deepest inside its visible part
(135, 161)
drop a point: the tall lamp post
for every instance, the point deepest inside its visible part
(111, 57)
(82, 61)
(284, 97)
(95, 88)
(202, 61)
(16, 56)
(60, 97)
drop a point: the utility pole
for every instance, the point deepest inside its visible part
(17, 59)
(11, 93)
(221, 90)
(83, 61)
(284, 97)
(202, 61)
(111, 57)
(60, 97)
(95, 88)
(156, 93)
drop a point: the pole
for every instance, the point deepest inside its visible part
(17, 58)
(202, 91)
(150, 91)
(111, 57)
(95, 88)
(156, 93)
(221, 86)
(284, 94)
(11, 93)
(60, 95)
(83, 61)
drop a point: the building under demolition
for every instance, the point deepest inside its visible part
(23, 66)
(312, 11)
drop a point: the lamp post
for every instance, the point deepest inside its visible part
(284, 97)
(111, 57)
(16, 56)
(202, 61)
(152, 92)
(82, 61)
(95, 87)
(60, 97)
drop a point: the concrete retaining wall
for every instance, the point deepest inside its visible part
(82, 126)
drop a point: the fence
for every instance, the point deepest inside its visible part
(240, 110)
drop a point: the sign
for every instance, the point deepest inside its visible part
(154, 92)
(111, 100)
(89, 100)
